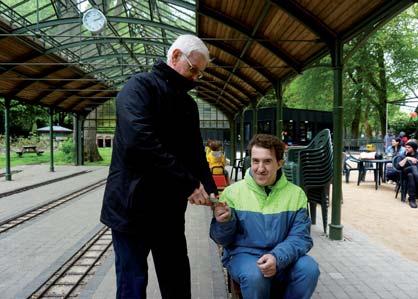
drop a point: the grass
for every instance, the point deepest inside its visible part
(59, 159)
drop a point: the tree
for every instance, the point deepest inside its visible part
(384, 69)
(91, 153)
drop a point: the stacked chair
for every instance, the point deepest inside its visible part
(310, 167)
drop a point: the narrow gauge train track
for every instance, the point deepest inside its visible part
(26, 188)
(32, 213)
(67, 281)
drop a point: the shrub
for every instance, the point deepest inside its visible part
(68, 149)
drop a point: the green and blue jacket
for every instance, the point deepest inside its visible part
(275, 223)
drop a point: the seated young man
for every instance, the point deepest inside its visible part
(409, 165)
(263, 225)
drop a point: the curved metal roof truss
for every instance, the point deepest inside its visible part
(48, 58)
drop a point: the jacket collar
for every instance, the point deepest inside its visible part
(280, 183)
(166, 72)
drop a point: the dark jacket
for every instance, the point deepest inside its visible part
(158, 157)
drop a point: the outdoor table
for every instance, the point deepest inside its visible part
(380, 166)
(29, 149)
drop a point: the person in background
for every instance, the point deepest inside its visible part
(216, 158)
(392, 151)
(207, 147)
(264, 228)
(152, 178)
(403, 137)
(409, 166)
(395, 148)
(388, 138)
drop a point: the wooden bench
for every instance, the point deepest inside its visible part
(29, 149)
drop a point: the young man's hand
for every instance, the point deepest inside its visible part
(267, 265)
(222, 212)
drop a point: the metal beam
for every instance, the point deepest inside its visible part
(66, 21)
(309, 20)
(179, 3)
(221, 77)
(24, 58)
(228, 99)
(237, 99)
(242, 77)
(387, 10)
(106, 40)
(211, 101)
(214, 96)
(226, 20)
(122, 54)
(247, 60)
(24, 84)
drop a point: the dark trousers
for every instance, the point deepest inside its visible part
(412, 176)
(169, 252)
(299, 279)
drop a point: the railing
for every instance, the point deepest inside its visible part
(365, 144)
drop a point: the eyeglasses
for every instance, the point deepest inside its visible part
(194, 70)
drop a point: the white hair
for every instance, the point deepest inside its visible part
(188, 43)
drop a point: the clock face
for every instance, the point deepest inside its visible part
(94, 20)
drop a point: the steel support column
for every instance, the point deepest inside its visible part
(78, 139)
(8, 173)
(335, 228)
(233, 138)
(51, 139)
(241, 132)
(255, 118)
(279, 109)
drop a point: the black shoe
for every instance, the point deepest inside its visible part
(413, 204)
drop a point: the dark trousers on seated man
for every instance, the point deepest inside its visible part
(412, 177)
(298, 281)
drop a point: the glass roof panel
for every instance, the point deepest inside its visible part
(135, 29)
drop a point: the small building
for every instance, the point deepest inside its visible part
(104, 140)
(60, 133)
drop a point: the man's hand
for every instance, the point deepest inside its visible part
(413, 160)
(222, 212)
(267, 265)
(199, 197)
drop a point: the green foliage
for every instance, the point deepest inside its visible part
(67, 147)
(312, 90)
(59, 158)
(106, 154)
(383, 69)
(402, 121)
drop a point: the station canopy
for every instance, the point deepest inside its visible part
(48, 58)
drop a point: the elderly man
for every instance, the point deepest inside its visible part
(153, 174)
(263, 225)
(409, 166)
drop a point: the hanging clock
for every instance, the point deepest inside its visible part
(94, 20)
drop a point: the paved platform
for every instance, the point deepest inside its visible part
(34, 174)
(354, 268)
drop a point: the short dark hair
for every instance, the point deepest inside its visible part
(215, 145)
(412, 144)
(269, 142)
